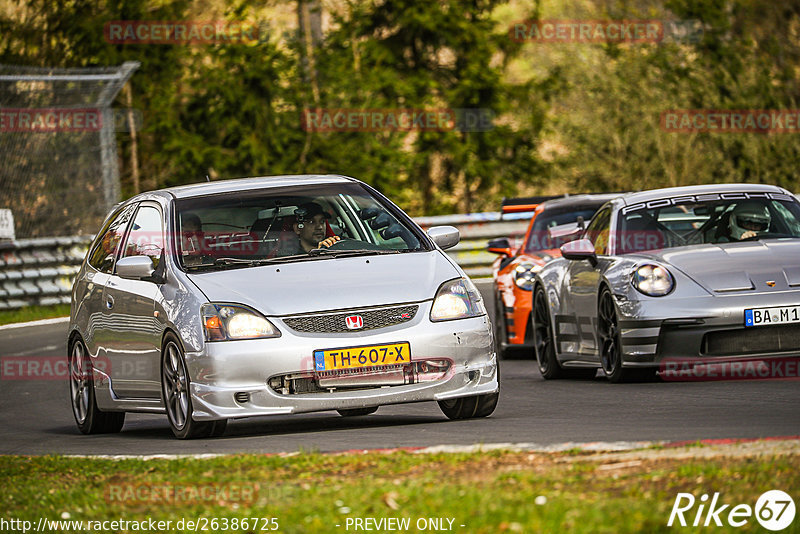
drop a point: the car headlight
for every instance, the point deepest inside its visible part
(652, 280)
(524, 274)
(224, 322)
(457, 299)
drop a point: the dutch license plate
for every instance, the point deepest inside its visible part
(777, 315)
(365, 356)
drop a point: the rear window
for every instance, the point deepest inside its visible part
(539, 238)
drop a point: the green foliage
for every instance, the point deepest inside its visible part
(33, 313)
(568, 116)
(500, 491)
(612, 132)
(234, 110)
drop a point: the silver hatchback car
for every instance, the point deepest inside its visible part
(274, 295)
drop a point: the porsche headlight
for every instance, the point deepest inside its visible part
(652, 280)
(224, 322)
(457, 299)
(524, 274)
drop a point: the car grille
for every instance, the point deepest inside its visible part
(752, 340)
(335, 322)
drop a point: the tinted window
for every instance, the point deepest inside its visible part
(105, 246)
(711, 218)
(145, 237)
(539, 237)
(286, 223)
(598, 231)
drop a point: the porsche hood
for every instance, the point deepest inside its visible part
(756, 266)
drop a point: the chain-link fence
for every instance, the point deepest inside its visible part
(58, 158)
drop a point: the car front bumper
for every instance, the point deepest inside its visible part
(704, 329)
(224, 369)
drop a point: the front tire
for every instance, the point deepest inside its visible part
(89, 418)
(177, 397)
(470, 407)
(610, 339)
(544, 346)
(500, 329)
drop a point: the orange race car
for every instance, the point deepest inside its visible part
(513, 270)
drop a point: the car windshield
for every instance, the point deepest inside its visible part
(539, 237)
(280, 225)
(710, 218)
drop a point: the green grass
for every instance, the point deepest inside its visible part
(33, 313)
(308, 492)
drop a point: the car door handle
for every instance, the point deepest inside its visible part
(109, 301)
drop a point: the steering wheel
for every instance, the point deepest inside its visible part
(771, 235)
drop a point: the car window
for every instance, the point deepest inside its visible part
(106, 244)
(707, 219)
(280, 223)
(145, 237)
(792, 220)
(539, 237)
(598, 231)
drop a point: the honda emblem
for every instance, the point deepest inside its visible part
(354, 322)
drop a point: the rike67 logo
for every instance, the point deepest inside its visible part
(774, 510)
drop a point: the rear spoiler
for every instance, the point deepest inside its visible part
(524, 204)
(529, 204)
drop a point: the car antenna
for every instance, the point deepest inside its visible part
(208, 178)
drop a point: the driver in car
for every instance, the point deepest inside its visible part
(748, 219)
(310, 227)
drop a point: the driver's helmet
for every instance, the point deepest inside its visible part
(748, 216)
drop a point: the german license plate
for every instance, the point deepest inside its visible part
(777, 315)
(365, 356)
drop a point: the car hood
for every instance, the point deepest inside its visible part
(743, 266)
(330, 284)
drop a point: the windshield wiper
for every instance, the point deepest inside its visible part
(313, 254)
(242, 262)
(261, 261)
(350, 252)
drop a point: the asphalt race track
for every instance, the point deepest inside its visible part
(35, 415)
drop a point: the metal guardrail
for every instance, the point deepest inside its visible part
(40, 271)
(476, 230)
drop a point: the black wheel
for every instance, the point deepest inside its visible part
(470, 407)
(500, 329)
(90, 419)
(544, 345)
(610, 341)
(177, 398)
(355, 412)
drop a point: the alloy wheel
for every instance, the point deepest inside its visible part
(176, 388)
(610, 350)
(79, 383)
(542, 334)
